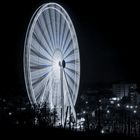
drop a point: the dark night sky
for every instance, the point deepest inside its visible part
(108, 38)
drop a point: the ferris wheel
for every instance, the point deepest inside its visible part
(51, 58)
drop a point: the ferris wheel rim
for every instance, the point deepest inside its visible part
(26, 50)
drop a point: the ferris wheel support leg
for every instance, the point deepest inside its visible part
(70, 101)
(62, 95)
(66, 117)
(72, 106)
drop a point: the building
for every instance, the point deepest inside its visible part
(123, 89)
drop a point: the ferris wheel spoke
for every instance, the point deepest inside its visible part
(53, 19)
(36, 55)
(73, 61)
(71, 57)
(73, 74)
(48, 31)
(36, 74)
(71, 79)
(37, 67)
(35, 60)
(40, 44)
(67, 34)
(38, 89)
(45, 94)
(38, 86)
(46, 41)
(69, 43)
(40, 93)
(70, 52)
(57, 27)
(73, 70)
(69, 84)
(63, 35)
(39, 80)
(38, 51)
(49, 25)
(61, 31)
(47, 89)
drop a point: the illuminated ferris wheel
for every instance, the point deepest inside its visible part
(51, 58)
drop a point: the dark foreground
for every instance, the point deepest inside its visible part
(54, 133)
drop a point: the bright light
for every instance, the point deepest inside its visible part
(78, 114)
(118, 99)
(118, 105)
(82, 119)
(10, 113)
(93, 114)
(127, 106)
(108, 111)
(115, 98)
(136, 106)
(134, 111)
(84, 112)
(102, 131)
(100, 101)
(131, 106)
(112, 102)
(86, 102)
(57, 57)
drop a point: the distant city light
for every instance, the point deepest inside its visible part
(108, 111)
(100, 101)
(82, 119)
(112, 102)
(10, 113)
(4, 100)
(118, 105)
(118, 99)
(78, 114)
(115, 98)
(86, 102)
(102, 131)
(134, 111)
(136, 106)
(131, 106)
(17, 122)
(127, 106)
(84, 112)
(93, 114)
